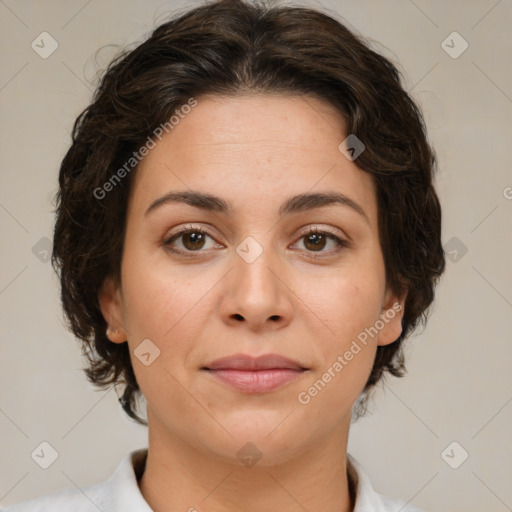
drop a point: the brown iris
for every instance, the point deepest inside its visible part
(193, 240)
(317, 241)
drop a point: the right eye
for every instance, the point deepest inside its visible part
(192, 239)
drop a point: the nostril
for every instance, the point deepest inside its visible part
(238, 316)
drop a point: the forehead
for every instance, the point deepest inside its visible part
(253, 147)
(257, 121)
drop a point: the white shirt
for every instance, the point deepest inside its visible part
(121, 493)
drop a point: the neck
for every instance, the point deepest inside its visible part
(179, 476)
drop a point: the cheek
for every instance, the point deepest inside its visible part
(345, 304)
(151, 308)
(167, 306)
(154, 298)
(347, 353)
(157, 308)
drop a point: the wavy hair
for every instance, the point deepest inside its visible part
(233, 47)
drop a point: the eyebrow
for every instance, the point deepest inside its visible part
(295, 204)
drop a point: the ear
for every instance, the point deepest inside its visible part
(391, 316)
(109, 298)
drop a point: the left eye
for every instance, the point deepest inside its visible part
(316, 241)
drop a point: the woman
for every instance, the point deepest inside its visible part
(247, 231)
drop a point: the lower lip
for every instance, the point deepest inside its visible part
(256, 381)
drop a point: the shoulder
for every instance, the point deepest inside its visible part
(367, 499)
(120, 493)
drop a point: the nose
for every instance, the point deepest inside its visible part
(257, 294)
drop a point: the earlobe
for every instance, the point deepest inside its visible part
(116, 335)
(390, 319)
(111, 307)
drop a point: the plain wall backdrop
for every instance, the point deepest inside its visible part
(456, 400)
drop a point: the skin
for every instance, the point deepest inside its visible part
(296, 300)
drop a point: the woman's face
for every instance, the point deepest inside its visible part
(248, 278)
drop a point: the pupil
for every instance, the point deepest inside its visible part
(195, 238)
(316, 239)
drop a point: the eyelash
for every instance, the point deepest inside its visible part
(342, 244)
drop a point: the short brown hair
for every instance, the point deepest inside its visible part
(231, 47)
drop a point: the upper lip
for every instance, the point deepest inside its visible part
(246, 362)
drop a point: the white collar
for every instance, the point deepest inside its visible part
(121, 493)
(367, 499)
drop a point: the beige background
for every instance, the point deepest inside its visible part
(459, 384)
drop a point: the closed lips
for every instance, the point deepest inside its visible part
(255, 375)
(249, 363)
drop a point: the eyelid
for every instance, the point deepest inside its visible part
(324, 229)
(189, 227)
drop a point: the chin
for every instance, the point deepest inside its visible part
(255, 448)
(265, 437)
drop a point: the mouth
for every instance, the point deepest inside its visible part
(255, 374)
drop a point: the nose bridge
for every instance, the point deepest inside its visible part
(253, 263)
